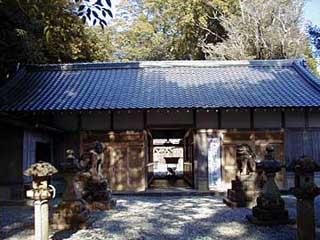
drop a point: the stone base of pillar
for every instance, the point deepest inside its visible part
(269, 211)
(70, 215)
(243, 192)
(269, 217)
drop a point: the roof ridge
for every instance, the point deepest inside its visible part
(306, 73)
(159, 64)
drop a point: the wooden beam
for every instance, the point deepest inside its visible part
(219, 118)
(306, 117)
(144, 112)
(251, 118)
(283, 119)
(194, 112)
(27, 125)
(111, 120)
(79, 122)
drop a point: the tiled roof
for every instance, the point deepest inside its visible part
(164, 84)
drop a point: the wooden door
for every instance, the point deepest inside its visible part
(229, 162)
(136, 168)
(117, 167)
(124, 158)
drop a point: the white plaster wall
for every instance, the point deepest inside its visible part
(235, 119)
(128, 120)
(207, 119)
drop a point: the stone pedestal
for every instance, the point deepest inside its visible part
(243, 192)
(244, 189)
(72, 211)
(99, 195)
(70, 215)
(270, 208)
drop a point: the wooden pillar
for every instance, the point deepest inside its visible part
(201, 160)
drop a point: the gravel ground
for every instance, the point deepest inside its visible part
(143, 218)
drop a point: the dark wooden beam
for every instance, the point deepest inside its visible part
(283, 118)
(144, 119)
(219, 118)
(79, 122)
(194, 112)
(251, 118)
(23, 123)
(306, 117)
(111, 120)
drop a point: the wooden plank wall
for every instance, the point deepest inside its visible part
(201, 160)
(302, 142)
(125, 160)
(258, 140)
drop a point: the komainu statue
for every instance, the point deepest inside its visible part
(245, 159)
(92, 179)
(244, 188)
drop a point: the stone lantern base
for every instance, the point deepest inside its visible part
(269, 212)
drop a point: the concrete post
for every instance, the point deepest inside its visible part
(41, 223)
(41, 192)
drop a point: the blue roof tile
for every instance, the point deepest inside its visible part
(164, 84)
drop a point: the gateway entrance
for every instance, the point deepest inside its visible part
(170, 165)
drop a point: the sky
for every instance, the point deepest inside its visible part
(312, 11)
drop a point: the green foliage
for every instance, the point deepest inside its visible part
(311, 61)
(169, 29)
(47, 31)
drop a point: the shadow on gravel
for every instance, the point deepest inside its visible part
(173, 218)
(15, 219)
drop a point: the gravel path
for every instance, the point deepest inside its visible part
(143, 218)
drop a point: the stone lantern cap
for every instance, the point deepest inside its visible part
(269, 166)
(304, 165)
(41, 169)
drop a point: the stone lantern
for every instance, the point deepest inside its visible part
(72, 211)
(41, 192)
(305, 190)
(270, 208)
